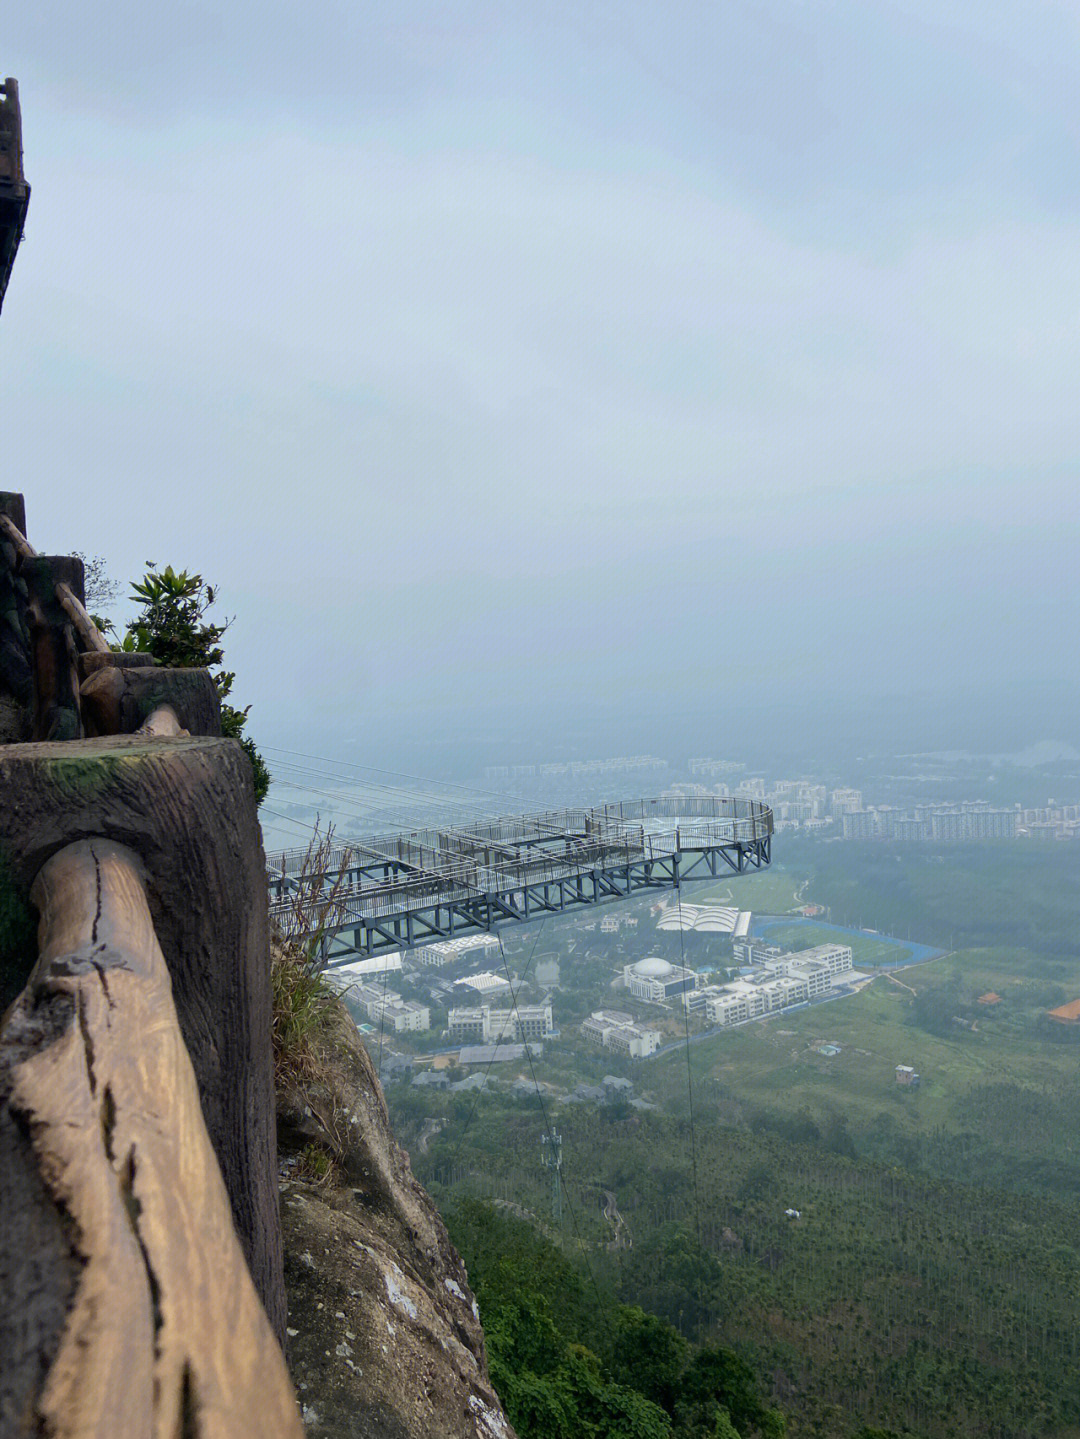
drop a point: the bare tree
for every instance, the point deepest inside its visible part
(101, 591)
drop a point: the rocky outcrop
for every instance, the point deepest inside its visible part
(384, 1335)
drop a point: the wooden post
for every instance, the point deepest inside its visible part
(57, 715)
(16, 676)
(186, 807)
(128, 1309)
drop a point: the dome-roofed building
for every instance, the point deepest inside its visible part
(652, 968)
(655, 979)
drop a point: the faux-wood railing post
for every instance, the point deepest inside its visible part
(129, 1311)
(186, 808)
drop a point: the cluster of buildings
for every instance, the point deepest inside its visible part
(945, 823)
(619, 765)
(784, 981)
(714, 768)
(612, 923)
(1051, 821)
(387, 1009)
(612, 1029)
(795, 803)
(483, 1025)
(780, 981)
(804, 805)
(610, 1089)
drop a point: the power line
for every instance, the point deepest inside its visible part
(549, 1129)
(394, 774)
(429, 795)
(351, 810)
(287, 819)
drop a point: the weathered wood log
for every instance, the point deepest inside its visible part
(92, 661)
(13, 530)
(186, 806)
(163, 724)
(89, 636)
(149, 1327)
(56, 679)
(121, 700)
(16, 675)
(13, 524)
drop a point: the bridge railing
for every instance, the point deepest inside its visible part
(746, 820)
(490, 857)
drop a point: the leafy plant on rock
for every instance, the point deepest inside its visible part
(172, 626)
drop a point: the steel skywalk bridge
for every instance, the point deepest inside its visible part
(399, 891)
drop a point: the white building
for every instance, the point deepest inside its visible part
(841, 801)
(655, 980)
(749, 999)
(704, 918)
(617, 1031)
(405, 1016)
(497, 1026)
(786, 979)
(388, 1010)
(532, 1021)
(485, 985)
(469, 1024)
(813, 976)
(835, 957)
(445, 951)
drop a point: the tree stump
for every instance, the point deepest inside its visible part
(129, 1311)
(120, 699)
(186, 807)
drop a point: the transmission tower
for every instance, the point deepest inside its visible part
(551, 1159)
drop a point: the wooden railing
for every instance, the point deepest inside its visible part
(14, 191)
(140, 1244)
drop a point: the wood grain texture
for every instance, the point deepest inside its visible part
(163, 1333)
(186, 807)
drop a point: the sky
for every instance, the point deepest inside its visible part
(554, 380)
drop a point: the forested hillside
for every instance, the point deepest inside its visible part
(569, 1360)
(932, 1308)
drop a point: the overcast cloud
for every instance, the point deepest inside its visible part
(561, 378)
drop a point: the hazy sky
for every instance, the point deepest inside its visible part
(562, 379)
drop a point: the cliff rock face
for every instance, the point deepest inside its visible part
(384, 1336)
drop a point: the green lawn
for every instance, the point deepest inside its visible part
(770, 892)
(773, 1064)
(865, 949)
